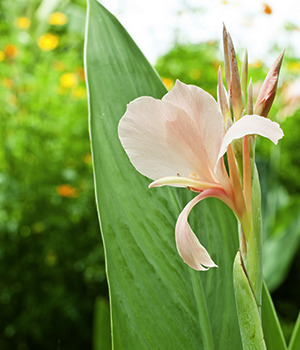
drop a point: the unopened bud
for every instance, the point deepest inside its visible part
(226, 57)
(268, 90)
(235, 85)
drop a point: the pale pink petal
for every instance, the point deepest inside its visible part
(248, 125)
(188, 245)
(205, 112)
(162, 140)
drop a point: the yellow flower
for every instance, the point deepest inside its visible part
(68, 80)
(80, 72)
(10, 51)
(294, 67)
(267, 9)
(256, 64)
(79, 92)
(23, 22)
(2, 56)
(8, 83)
(169, 83)
(57, 19)
(48, 42)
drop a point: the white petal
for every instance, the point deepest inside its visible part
(162, 140)
(188, 245)
(248, 125)
(204, 110)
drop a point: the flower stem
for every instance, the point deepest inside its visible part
(253, 232)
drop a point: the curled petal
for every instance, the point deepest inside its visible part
(248, 125)
(188, 245)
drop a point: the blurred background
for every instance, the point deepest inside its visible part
(53, 290)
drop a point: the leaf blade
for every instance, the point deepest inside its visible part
(151, 290)
(271, 327)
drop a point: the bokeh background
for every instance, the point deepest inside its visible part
(53, 290)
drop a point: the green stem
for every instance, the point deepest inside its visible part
(252, 258)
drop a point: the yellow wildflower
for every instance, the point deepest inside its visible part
(294, 67)
(8, 83)
(10, 51)
(169, 83)
(68, 80)
(57, 19)
(2, 56)
(23, 22)
(48, 42)
(67, 191)
(256, 64)
(79, 92)
(80, 72)
(267, 9)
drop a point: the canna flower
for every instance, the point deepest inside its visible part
(181, 140)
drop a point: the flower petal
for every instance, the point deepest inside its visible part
(188, 245)
(162, 139)
(248, 125)
(179, 181)
(205, 112)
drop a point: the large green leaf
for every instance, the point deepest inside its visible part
(157, 302)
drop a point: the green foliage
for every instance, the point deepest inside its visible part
(192, 64)
(51, 255)
(290, 154)
(156, 300)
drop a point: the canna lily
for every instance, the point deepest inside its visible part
(180, 141)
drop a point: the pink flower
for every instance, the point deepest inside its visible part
(180, 141)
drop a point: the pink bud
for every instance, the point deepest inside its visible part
(268, 90)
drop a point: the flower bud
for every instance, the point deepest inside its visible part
(268, 90)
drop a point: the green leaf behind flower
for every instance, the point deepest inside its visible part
(156, 301)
